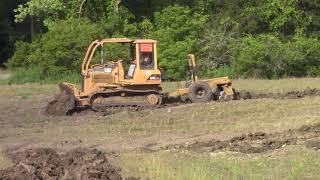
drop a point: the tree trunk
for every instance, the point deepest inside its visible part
(81, 6)
(31, 27)
(117, 6)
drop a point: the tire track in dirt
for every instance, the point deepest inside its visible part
(258, 142)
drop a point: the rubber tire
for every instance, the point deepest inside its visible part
(192, 92)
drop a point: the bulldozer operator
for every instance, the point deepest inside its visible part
(146, 61)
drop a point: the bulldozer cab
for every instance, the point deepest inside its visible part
(139, 67)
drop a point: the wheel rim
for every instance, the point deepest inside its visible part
(97, 103)
(222, 95)
(200, 93)
(152, 99)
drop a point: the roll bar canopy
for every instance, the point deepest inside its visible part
(95, 44)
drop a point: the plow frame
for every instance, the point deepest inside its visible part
(223, 83)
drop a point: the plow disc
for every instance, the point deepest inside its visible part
(63, 103)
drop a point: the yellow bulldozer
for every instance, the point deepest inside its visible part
(108, 84)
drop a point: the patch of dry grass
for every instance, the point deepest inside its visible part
(286, 163)
(4, 161)
(4, 76)
(27, 90)
(231, 118)
(275, 86)
(256, 85)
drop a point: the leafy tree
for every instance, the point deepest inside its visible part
(281, 16)
(51, 9)
(9, 33)
(311, 8)
(176, 28)
(215, 46)
(302, 57)
(259, 57)
(267, 39)
(266, 56)
(60, 49)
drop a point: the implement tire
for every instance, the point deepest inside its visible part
(200, 92)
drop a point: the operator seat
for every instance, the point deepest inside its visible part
(130, 73)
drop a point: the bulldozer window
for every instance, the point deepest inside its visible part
(112, 52)
(146, 56)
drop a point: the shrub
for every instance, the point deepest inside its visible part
(222, 71)
(37, 74)
(176, 29)
(266, 56)
(59, 51)
(20, 56)
(259, 57)
(302, 57)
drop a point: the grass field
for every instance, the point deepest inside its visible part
(139, 139)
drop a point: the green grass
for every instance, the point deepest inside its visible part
(281, 85)
(28, 90)
(4, 76)
(287, 163)
(38, 75)
(35, 75)
(252, 85)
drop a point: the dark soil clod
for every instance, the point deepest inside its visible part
(63, 103)
(46, 163)
(313, 144)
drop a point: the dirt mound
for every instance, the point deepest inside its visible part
(259, 142)
(288, 95)
(46, 163)
(63, 103)
(250, 143)
(59, 106)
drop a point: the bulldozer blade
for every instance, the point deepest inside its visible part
(63, 103)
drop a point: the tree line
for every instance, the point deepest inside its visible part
(239, 38)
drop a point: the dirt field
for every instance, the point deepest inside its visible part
(275, 134)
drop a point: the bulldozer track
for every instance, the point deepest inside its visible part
(125, 99)
(108, 110)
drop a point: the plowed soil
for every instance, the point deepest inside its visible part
(46, 163)
(259, 142)
(288, 95)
